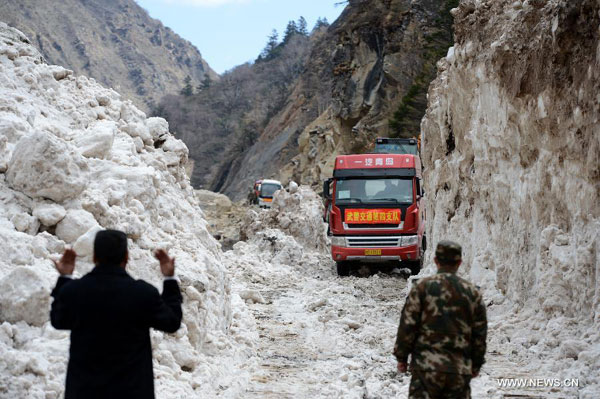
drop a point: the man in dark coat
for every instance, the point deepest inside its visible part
(109, 314)
(443, 327)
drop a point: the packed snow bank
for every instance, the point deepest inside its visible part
(290, 234)
(75, 158)
(298, 213)
(512, 172)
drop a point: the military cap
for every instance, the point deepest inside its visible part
(448, 251)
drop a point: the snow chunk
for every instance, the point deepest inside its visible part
(317, 304)
(158, 127)
(252, 296)
(140, 130)
(176, 151)
(24, 297)
(98, 140)
(75, 224)
(351, 324)
(61, 73)
(42, 166)
(49, 214)
(3, 154)
(293, 187)
(25, 223)
(84, 246)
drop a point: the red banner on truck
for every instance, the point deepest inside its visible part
(372, 216)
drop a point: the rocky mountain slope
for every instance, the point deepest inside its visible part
(222, 121)
(511, 148)
(338, 90)
(113, 41)
(74, 158)
(377, 64)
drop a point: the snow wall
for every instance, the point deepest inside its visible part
(511, 153)
(74, 158)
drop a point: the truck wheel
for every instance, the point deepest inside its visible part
(343, 268)
(417, 265)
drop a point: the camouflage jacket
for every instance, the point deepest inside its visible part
(443, 326)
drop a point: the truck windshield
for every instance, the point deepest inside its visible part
(393, 148)
(268, 189)
(374, 191)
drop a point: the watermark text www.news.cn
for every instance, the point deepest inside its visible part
(538, 383)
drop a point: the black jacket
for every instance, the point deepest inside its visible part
(109, 314)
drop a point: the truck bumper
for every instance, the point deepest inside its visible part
(264, 204)
(408, 253)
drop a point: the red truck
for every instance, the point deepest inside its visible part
(375, 210)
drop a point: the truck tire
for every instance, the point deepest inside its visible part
(417, 265)
(343, 268)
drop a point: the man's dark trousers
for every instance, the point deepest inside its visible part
(109, 314)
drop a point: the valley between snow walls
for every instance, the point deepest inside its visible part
(511, 144)
(75, 158)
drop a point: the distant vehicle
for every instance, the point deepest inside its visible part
(385, 145)
(266, 191)
(375, 210)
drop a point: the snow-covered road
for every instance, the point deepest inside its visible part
(320, 335)
(317, 335)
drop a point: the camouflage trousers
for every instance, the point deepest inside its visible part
(436, 385)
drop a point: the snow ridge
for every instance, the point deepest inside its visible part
(74, 158)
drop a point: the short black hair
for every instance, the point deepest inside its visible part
(110, 247)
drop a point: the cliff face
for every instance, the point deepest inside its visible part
(375, 61)
(511, 148)
(114, 41)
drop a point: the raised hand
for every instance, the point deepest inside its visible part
(402, 367)
(167, 264)
(66, 264)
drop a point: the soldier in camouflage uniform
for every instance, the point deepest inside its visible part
(443, 327)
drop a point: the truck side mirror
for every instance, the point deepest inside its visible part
(326, 186)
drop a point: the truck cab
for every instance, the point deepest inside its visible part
(266, 191)
(376, 210)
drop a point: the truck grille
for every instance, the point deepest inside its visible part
(374, 242)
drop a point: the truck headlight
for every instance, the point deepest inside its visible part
(338, 241)
(409, 240)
